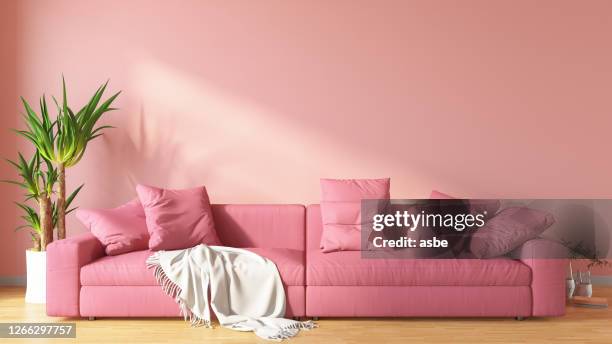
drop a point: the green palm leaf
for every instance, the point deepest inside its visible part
(59, 144)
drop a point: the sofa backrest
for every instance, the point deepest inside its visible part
(314, 227)
(261, 225)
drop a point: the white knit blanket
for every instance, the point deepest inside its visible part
(246, 292)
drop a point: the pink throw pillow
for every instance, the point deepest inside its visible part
(177, 219)
(508, 230)
(120, 230)
(439, 195)
(477, 206)
(341, 210)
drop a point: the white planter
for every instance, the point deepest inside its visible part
(584, 290)
(36, 290)
(570, 286)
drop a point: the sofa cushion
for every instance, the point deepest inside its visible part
(508, 230)
(177, 219)
(124, 269)
(290, 263)
(261, 225)
(120, 230)
(487, 207)
(347, 268)
(130, 268)
(341, 210)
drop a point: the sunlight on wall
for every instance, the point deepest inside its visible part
(196, 133)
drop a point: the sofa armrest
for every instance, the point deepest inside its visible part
(548, 264)
(64, 261)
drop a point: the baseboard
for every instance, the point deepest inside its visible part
(13, 281)
(601, 280)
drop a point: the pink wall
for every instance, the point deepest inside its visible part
(11, 244)
(257, 100)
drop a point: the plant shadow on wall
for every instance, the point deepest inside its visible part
(184, 134)
(216, 137)
(146, 156)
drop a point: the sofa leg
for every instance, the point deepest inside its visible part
(91, 318)
(315, 318)
(519, 318)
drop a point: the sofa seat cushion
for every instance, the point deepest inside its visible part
(347, 268)
(130, 269)
(290, 264)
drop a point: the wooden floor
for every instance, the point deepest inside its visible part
(580, 325)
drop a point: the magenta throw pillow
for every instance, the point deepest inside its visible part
(341, 210)
(177, 219)
(508, 230)
(120, 230)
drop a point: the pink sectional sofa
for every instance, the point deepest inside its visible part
(342, 284)
(83, 282)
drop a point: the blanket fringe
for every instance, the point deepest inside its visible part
(174, 291)
(289, 331)
(302, 325)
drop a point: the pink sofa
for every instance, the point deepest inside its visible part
(341, 284)
(83, 281)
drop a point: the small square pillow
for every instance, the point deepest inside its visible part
(508, 230)
(341, 210)
(177, 219)
(120, 230)
(488, 207)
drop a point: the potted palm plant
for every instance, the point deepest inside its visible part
(38, 186)
(39, 214)
(66, 145)
(58, 144)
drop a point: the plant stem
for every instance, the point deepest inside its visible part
(46, 222)
(61, 202)
(36, 242)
